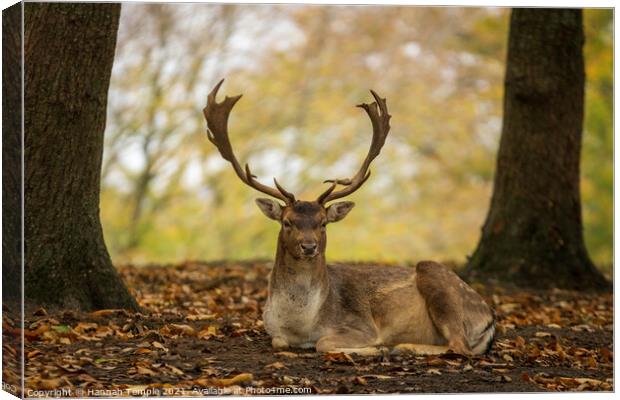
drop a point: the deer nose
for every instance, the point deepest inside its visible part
(308, 247)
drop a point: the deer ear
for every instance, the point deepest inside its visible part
(270, 208)
(338, 211)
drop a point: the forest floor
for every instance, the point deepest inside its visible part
(201, 332)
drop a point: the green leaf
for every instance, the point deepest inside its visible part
(61, 328)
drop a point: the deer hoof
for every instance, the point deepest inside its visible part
(279, 343)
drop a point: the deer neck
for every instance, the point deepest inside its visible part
(293, 273)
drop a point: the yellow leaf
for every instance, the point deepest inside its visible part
(33, 353)
(241, 378)
(380, 377)
(65, 340)
(83, 327)
(276, 365)
(145, 371)
(207, 332)
(184, 329)
(359, 380)
(175, 370)
(338, 357)
(158, 345)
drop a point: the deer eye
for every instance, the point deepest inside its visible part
(323, 225)
(286, 223)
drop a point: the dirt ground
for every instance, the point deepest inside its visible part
(200, 332)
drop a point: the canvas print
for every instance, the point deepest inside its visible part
(293, 199)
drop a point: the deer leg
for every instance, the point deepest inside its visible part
(349, 342)
(419, 349)
(439, 288)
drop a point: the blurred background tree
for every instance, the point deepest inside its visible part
(168, 196)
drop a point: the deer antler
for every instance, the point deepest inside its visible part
(380, 118)
(216, 115)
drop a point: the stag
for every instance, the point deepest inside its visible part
(352, 308)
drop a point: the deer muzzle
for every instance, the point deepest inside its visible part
(309, 249)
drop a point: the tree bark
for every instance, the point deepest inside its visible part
(11, 155)
(533, 234)
(69, 51)
(12, 289)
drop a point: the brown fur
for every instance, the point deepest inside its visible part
(353, 308)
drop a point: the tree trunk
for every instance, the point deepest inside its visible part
(11, 156)
(69, 50)
(12, 379)
(533, 234)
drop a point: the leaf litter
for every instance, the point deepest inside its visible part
(201, 328)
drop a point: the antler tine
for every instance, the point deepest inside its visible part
(323, 196)
(380, 119)
(217, 115)
(286, 193)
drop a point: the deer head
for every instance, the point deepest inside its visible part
(303, 223)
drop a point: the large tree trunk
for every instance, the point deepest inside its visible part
(533, 234)
(69, 50)
(11, 156)
(12, 317)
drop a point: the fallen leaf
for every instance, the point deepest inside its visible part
(158, 345)
(85, 327)
(581, 328)
(207, 332)
(435, 361)
(145, 371)
(592, 362)
(509, 307)
(276, 365)
(86, 378)
(70, 366)
(48, 384)
(33, 353)
(108, 312)
(31, 334)
(380, 377)
(241, 378)
(338, 357)
(287, 380)
(64, 340)
(606, 353)
(360, 380)
(589, 381)
(40, 312)
(183, 329)
(519, 342)
(485, 363)
(63, 330)
(175, 370)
